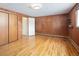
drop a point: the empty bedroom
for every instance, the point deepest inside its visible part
(39, 29)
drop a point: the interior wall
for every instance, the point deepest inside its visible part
(53, 25)
(19, 26)
(74, 32)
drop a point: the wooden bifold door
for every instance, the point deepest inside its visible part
(8, 27)
(13, 27)
(3, 28)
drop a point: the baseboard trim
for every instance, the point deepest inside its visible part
(54, 35)
(74, 44)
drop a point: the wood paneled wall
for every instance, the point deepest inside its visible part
(74, 32)
(19, 26)
(53, 25)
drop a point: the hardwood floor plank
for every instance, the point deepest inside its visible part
(39, 45)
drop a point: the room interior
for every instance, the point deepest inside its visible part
(42, 29)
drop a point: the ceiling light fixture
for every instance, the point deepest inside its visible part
(36, 6)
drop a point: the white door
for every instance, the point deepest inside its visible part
(24, 26)
(31, 26)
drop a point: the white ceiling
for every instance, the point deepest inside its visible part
(47, 8)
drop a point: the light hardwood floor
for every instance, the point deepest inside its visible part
(39, 45)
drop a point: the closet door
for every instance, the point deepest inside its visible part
(3, 28)
(13, 29)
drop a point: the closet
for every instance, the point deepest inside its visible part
(13, 26)
(8, 27)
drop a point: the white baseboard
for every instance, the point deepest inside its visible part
(74, 44)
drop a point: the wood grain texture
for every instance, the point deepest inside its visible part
(19, 26)
(54, 25)
(3, 28)
(13, 27)
(39, 45)
(74, 32)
